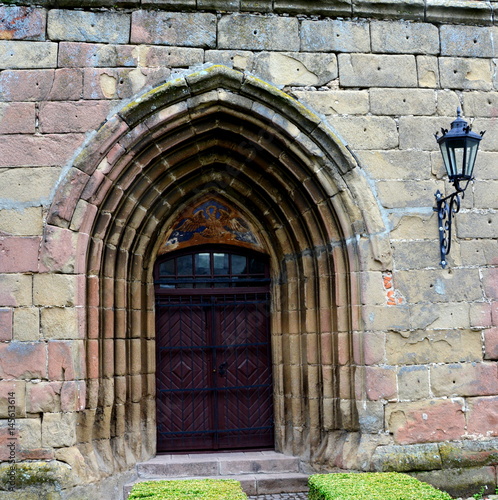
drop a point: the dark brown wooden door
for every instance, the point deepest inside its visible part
(214, 380)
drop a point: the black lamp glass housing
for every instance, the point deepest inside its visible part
(459, 148)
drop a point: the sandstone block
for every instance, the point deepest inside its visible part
(426, 421)
(433, 346)
(441, 11)
(413, 383)
(413, 132)
(16, 290)
(465, 74)
(29, 433)
(369, 132)
(6, 316)
(63, 290)
(19, 253)
(26, 222)
(428, 71)
(172, 57)
(469, 453)
(73, 396)
(81, 116)
(404, 38)
(41, 150)
(17, 118)
(491, 343)
(371, 416)
(416, 254)
(482, 417)
(480, 315)
(27, 55)
(403, 194)
(22, 23)
(23, 360)
(40, 85)
(406, 9)
(26, 324)
(385, 317)
(484, 195)
(370, 70)
(60, 323)
(447, 102)
(249, 32)
(476, 225)
(66, 360)
(60, 250)
(96, 55)
(490, 284)
(380, 383)
(74, 25)
(464, 379)
(179, 29)
(344, 102)
(406, 458)
(12, 399)
(368, 348)
(483, 104)
(335, 36)
(440, 316)
(299, 69)
(468, 41)
(59, 429)
(402, 102)
(396, 164)
(43, 397)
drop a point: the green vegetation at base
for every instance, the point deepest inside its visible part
(188, 489)
(372, 486)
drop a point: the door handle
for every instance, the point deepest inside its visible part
(222, 369)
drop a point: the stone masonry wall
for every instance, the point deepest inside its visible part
(386, 77)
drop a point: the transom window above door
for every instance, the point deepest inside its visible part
(212, 268)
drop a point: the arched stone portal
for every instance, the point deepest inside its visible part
(217, 130)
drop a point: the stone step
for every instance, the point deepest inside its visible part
(252, 484)
(217, 464)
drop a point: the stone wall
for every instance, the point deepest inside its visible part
(383, 361)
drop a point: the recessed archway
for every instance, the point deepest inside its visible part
(271, 158)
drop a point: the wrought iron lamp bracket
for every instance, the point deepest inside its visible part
(446, 208)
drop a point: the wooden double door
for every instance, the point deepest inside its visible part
(213, 372)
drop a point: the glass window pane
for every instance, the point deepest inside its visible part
(184, 265)
(167, 268)
(239, 264)
(256, 266)
(220, 263)
(202, 264)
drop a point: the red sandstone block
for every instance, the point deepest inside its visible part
(17, 118)
(380, 382)
(73, 396)
(93, 358)
(480, 314)
(490, 282)
(79, 116)
(66, 360)
(5, 324)
(41, 150)
(426, 421)
(58, 250)
(491, 343)
(41, 85)
(43, 397)
(19, 254)
(23, 360)
(22, 23)
(37, 454)
(482, 416)
(494, 313)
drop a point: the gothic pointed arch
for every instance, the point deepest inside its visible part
(217, 130)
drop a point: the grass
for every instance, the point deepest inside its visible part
(372, 486)
(188, 489)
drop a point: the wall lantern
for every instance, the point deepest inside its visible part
(459, 150)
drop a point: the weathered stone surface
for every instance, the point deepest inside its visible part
(369, 70)
(249, 32)
(344, 102)
(464, 379)
(371, 416)
(22, 23)
(60, 323)
(469, 453)
(380, 383)
(369, 132)
(480, 104)
(180, 29)
(17, 118)
(413, 132)
(23, 360)
(385, 318)
(433, 346)
(402, 102)
(23, 222)
(6, 317)
(284, 68)
(81, 55)
(12, 399)
(66, 360)
(335, 36)
(465, 74)
(74, 25)
(416, 254)
(482, 416)
(491, 343)
(439, 316)
(477, 225)
(20, 55)
(59, 429)
(447, 102)
(403, 194)
(405, 9)
(63, 290)
(43, 397)
(406, 458)
(16, 290)
(41, 85)
(468, 41)
(26, 324)
(404, 38)
(19, 253)
(413, 383)
(426, 421)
